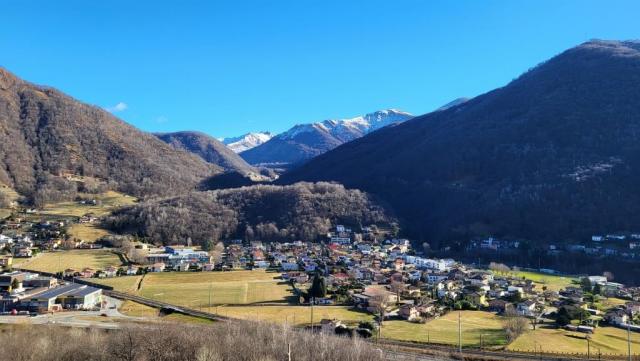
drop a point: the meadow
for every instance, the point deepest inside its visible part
(195, 289)
(444, 330)
(107, 202)
(134, 309)
(58, 261)
(607, 340)
(292, 315)
(123, 284)
(552, 282)
(88, 232)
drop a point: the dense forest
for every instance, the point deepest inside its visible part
(303, 211)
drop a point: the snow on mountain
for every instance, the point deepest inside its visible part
(247, 141)
(351, 128)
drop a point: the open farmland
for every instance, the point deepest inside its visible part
(106, 203)
(607, 340)
(444, 330)
(193, 289)
(134, 309)
(123, 284)
(87, 232)
(11, 196)
(58, 261)
(293, 315)
(552, 282)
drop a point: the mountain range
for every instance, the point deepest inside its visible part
(553, 155)
(46, 136)
(247, 141)
(305, 141)
(208, 148)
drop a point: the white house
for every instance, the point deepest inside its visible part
(289, 266)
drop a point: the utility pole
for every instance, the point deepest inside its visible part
(629, 340)
(209, 297)
(588, 348)
(312, 302)
(460, 332)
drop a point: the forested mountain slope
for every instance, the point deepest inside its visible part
(554, 155)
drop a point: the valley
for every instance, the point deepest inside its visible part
(500, 226)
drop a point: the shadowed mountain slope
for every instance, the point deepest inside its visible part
(554, 155)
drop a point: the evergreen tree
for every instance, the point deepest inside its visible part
(563, 318)
(597, 289)
(318, 287)
(207, 245)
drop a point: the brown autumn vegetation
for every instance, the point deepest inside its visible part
(303, 211)
(48, 135)
(223, 341)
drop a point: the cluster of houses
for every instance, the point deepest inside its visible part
(26, 292)
(381, 275)
(20, 246)
(622, 245)
(23, 237)
(179, 258)
(388, 277)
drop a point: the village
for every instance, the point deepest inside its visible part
(373, 275)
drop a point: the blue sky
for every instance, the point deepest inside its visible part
(229, 67)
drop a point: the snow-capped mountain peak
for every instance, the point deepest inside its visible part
(247, 141)
(350, 128)
(305, 141)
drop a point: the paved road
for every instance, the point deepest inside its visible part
(112, 320)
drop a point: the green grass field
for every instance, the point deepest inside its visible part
(233, 292)
(77, 259)
(444, 330)
(608, 340)
(293, 315)
(191, 289)
(553, 282)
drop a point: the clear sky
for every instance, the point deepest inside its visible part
(229, 67)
